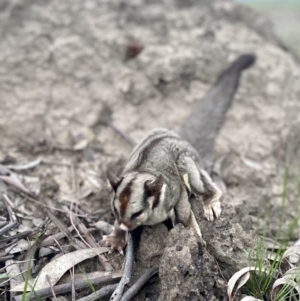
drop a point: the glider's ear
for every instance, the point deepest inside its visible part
(153, 187)
(114, 181)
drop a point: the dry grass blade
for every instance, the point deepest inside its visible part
(56, 268)
(51, 287)
(50, 240)
(64, 229)
(90, 241)
(240, 276)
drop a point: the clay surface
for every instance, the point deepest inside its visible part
(64, 62)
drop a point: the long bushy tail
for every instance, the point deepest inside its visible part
(202, 126)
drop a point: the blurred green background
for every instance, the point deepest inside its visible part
(285, 16)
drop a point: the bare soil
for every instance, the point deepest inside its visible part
(64, 66)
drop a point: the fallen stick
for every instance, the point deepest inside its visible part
(8, 227)
(104, 291)
(4, 258)
(134, 289)
(18, 235)
(4, 223)
(65, 288)
(117, 294)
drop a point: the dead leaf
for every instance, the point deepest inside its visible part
(14, 273)
(288, 279)
(44, 252)
(82, 144)
(285, 281)
(20, 246)
(271, 244)
(32, 183)
(250, 298)
(243, 280)
(56, 268)
(11, 178)
(293, 253)
(243, 276)
(257, 166)
(294, 258)
(104, 227)
(25, 166)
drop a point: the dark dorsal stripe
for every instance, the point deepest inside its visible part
(124, 198)
(156, 200)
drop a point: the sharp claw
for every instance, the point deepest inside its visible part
(121, 251)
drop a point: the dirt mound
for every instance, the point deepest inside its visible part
(141, 65)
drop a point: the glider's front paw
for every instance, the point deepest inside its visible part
(212, 210)
(114, 243)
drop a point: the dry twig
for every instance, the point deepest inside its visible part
(16, 236)
(8, 227)
(117, 294)
(104, 291)
(2, 224)
(134, 289)
(65, 288)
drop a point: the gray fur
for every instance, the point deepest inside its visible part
(164, 170)
(202, 126)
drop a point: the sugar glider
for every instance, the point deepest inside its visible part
(165, 170)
